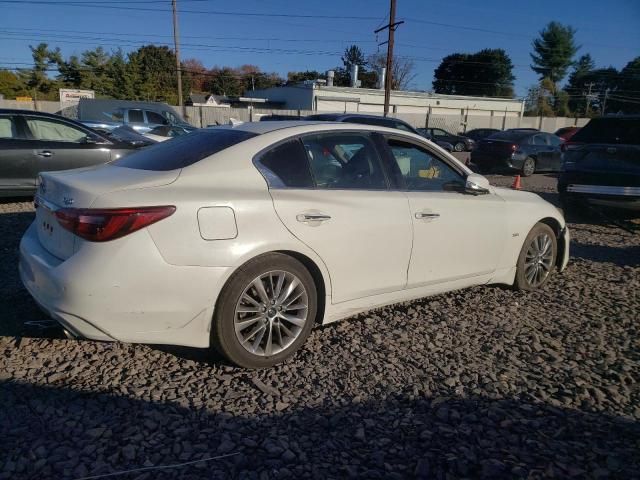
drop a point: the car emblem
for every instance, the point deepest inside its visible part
(67, 200)
(612, 150)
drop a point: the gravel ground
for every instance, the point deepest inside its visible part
(485, 382)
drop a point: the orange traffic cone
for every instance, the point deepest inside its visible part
(516, 183)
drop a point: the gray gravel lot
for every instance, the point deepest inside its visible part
(486, 382)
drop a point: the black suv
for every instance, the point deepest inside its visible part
(601, 164)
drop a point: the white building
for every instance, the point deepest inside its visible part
(322, 98)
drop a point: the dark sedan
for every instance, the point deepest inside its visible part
(525, 151)
(33, 142)
(460, 143)
(601, 164)
(388, 122)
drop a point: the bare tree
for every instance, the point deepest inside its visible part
(403, 69)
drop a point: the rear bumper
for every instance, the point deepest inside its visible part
(122, 290)
(496, 163)
(616, 196)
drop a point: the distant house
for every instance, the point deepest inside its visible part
(207, 100)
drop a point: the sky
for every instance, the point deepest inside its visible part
(299, 36)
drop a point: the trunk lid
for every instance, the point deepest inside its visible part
(605, 158)
(497, 147)
(79, 189)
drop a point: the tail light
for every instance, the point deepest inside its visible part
(514, 147)
(102, 225)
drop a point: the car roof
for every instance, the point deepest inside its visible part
(24, 111)
(309, 126)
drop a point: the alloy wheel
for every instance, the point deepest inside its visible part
(539, 260)
(271, 313)
(458, 147)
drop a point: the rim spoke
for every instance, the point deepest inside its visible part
(268, 346)
(259, 337)
(286, 330)
(298, 306)
(242, 324)
(299, 322)
(529, 273)
(249, 310)
(289, 290)
(259, 286)
(248, 338)
(279, 285)
(247, 298)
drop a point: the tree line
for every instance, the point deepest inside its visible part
(148, 73)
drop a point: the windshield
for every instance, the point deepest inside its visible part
(184, 150)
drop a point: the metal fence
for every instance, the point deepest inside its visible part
(205, 116)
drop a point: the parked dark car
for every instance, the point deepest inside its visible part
(460, 143)
(106, 114)
(601, 164)
(523, 150)
(388, 122)
(478, 134)
(566, 133)
(33, 142)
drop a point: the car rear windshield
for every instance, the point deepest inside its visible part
(610, 130)
(183, 150)
(511, 136)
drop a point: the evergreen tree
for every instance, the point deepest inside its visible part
(554, 51)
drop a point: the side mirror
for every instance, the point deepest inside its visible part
(476, 185)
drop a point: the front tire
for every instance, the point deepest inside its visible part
(537, 258)
(265, 312)
(459, 147)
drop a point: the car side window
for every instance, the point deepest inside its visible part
(539, 140)
(344, 161)
(422, 170)
(53, 130)
(8, 128)
(286, 166)
(554, 140)
(135, 116)
(156, 118)
(403, 127)
(439, 133)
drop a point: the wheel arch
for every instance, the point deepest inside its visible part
(318, 279)
(557, 228)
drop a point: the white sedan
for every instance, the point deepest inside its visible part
(243, 237)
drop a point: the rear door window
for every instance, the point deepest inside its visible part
(346, 161)
(8, 128)
(184, 150)
(156, 118)
(54, 131)
(286, 166)
(610, 130)
(135, 116)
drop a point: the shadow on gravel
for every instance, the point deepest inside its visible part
(621, 256)
(50, 432)
(16, 304)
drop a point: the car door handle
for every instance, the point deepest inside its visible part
(422, 215)
(44, 153)
(312, 217)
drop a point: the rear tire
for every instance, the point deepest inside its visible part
(528, 167)
(459, 147)
(537, 259)
(265, 312)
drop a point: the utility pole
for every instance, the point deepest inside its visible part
(604, 103)
(588, 98)
(177, 47)
(391, 26)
